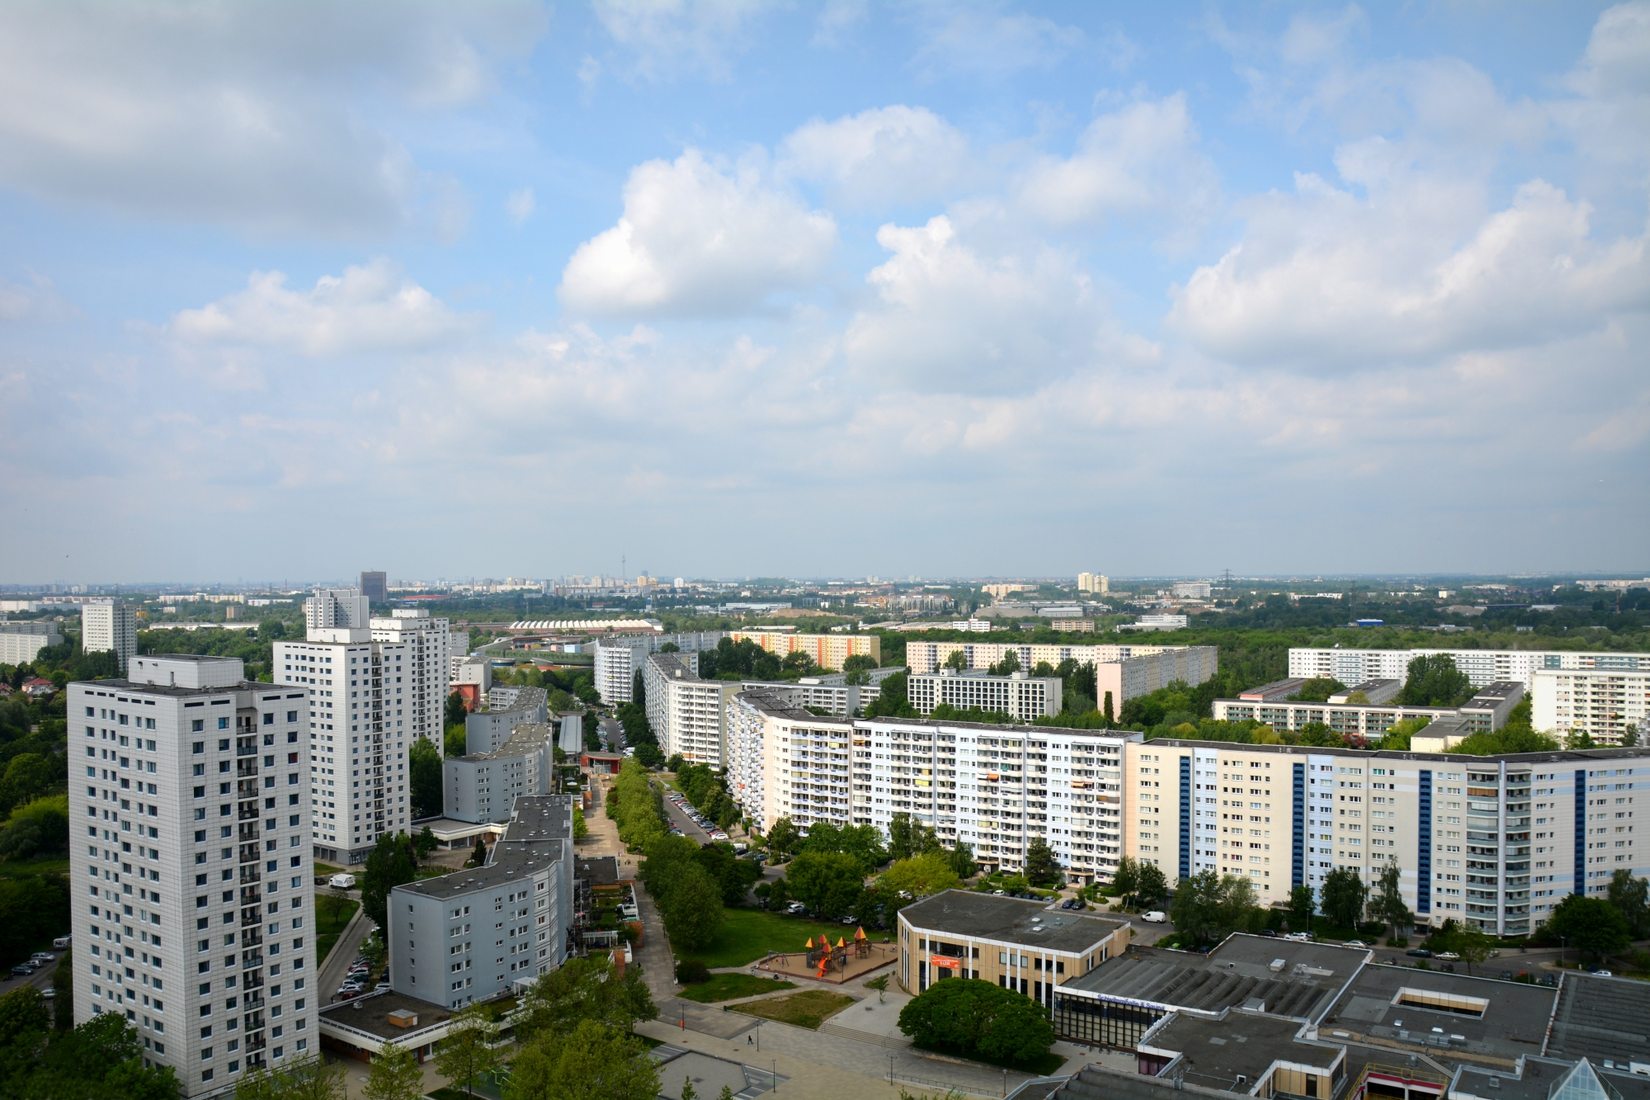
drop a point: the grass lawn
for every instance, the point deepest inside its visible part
(749, 934)
(331, 915)
(725, 987)
(327, 869)
(808, 1008)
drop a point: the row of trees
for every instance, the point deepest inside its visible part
(706, 789)
(690, 884)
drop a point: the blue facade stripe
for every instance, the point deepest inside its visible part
(1185, 817)
(1297, 875)
(1423, 847)
(1581, 833)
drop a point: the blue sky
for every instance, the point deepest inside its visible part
(289, 290)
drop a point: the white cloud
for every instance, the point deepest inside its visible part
(668, 39)
(882, 155)
(977, 40)
(952, 320)
(695, 239)
(1141, 158)
(236, 113)
(1323, 279)
(37, 300)
(520, 205)
(1617, 60)
(369, 308)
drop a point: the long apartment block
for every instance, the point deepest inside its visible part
(1495, 841)
(685, 712)
(825, 650)
(1601, 694)
(484, 931)
(1488, 709)
(193, 890)
(1121, 671)
(1017, 695)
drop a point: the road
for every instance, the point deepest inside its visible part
(343, 953)
(612, 734)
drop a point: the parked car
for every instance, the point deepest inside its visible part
(1154, 916)
(48, 993)
(22, 970)
(1450, 955)
(62, 941)
(1298, 937)
(42, 957)
(850, 919)
(1602, 973)
(795, 908)
(1418, 953)
(1354, 943)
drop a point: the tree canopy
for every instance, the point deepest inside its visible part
(976, 1018)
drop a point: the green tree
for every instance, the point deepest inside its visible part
(1469, 941)
(1434, 681)
(581, 829)
(478, 857)
(456, 711)
(1398, 735)
(688, 1091)
(693, 910)
(1592, 926)
(1341, 897)
(1386, 904)
(37, 827)
(25, 1024)
(1126, 880)
(467, 1051)
(389, 864)
(829, 883)
(920, 875)
(1318, 689)
(962, 860)
(1207, 907)
(424, 844)
(1154, 885)
(424, 778)
(956, 660)
(1301, 907)
(102, 1057)
(585, 988)
(1042, 869)
(975, 1018)
(595, 1063)
(63, 992)
(1631, 898)
(394, 1075)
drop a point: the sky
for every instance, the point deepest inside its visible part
(289, 290)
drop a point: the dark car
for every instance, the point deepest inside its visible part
(1418, 953)
(1270, 933)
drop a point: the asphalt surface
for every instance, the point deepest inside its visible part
(344, 952)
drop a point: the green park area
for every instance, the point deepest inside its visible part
(749, 934)
(808, 1009)
(728, 987)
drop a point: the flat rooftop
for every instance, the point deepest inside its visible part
(1216, 1052)
(1282, 977)
(1454, 1016)
(539, 825)
(1601, 1018)
(1540, 1077)
(526, 738)
(371, 1013)
(597, 870)
(964, 913)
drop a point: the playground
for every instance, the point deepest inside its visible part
(824, 959)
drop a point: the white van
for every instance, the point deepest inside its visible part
(1156, 916)
(342, 882)
(62, 941)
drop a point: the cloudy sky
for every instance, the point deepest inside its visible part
(291, 290)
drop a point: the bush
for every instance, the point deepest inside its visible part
(692, 971)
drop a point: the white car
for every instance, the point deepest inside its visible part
(1298, 937)
(1154, 916)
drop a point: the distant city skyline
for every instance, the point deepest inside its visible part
(827, 289)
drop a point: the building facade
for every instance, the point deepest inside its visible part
(1611, 706)
(507, 707)
(193, 887)
(824, 650)
(1604, 724)
(618, 659)
(785, 761)
(477, 933)
(429, 650)
(360, 733)
(375, 585)
(484, 787)
(1125, 671)
(110, 626)
(1496, 842)
(335, 608)
(21, 642)
(686, 713)
(1017, 695)
(1096, 583)
(1487, 710)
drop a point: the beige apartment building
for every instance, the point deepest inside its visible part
(825, 650)
(1017, 695)
(1123, 671)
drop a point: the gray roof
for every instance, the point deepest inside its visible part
(1538, 1078)
(1546, 756)
(525, 738)
(371, 1013)
(1513, 1021)
(538, 829)
(1288, 978)
(1601, 1018)
(1098, 1082)
(1216, 1052)
(1010, 920)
